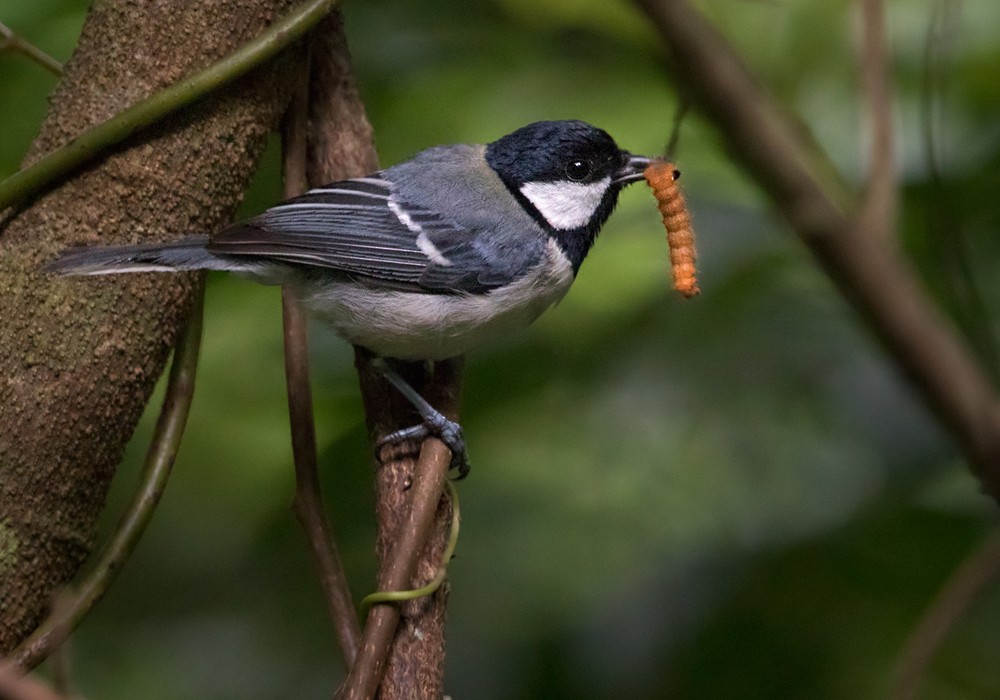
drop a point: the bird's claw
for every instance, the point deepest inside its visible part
(448, 431)
(434, 423)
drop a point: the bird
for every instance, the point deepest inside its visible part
(426, 259)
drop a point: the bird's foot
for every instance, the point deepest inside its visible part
(449, 432)
(434, 422)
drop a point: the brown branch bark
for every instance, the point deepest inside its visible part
(414, 518)
(413, 522)
(308, 503)
(341, 147)
(341, 141)
(870, 273)
(79, 358)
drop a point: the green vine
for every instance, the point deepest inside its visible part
(381, 597)
(50, 167)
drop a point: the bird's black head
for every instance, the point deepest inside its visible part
(567, 175)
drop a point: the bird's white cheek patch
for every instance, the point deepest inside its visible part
(566, 205)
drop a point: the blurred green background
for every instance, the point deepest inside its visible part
(730, 497)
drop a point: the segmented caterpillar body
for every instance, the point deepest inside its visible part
(662, 179)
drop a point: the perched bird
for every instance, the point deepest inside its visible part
(426, 259)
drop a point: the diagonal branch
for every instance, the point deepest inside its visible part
(402, 647)
(90, 144)
(77, 368)
(9, 41)
(871, 275)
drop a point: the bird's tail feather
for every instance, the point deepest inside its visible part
(186, 254)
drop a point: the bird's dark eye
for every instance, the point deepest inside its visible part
(578, 170)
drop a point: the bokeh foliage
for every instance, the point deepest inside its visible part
(734, 496)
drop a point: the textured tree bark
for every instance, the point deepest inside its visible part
(341, 142)
(413, 633)
(415, 666)
(79, 357)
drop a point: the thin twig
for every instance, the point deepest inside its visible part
(14, 42)
(948, 241)
(96, 140)
(680, 111)
(881, 197)
(341, 147)
(308, 502)
(980, 568)
(156, 471)
(937, 48)
(871, 274)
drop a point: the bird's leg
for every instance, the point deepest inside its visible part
(434, 423)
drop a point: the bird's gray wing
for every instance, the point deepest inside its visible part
(363, 229)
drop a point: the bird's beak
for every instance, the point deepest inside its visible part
(632, 170)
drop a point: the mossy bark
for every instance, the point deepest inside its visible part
(79, 356)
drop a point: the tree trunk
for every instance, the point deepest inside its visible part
(79, 356)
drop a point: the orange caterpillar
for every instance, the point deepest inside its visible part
(662, 178)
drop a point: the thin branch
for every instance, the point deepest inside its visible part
(871, 274)
(341, 146)
(156, 471)
(948, 242)
(976, 572)
(14, 42)
(680, 111)
(55, 164)
(881, 198)
(937, 50)
(308, 502)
